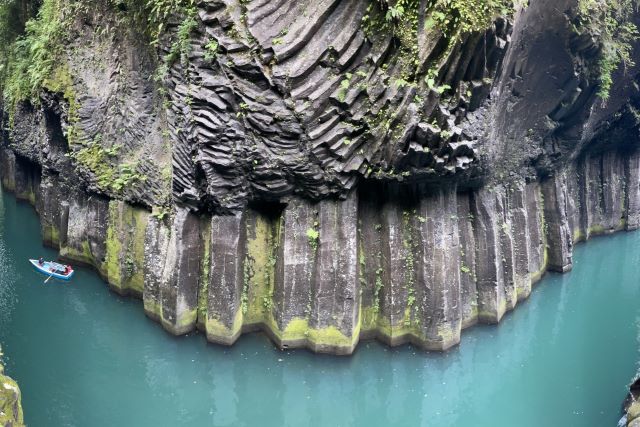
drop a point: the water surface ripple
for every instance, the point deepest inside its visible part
(86, 357)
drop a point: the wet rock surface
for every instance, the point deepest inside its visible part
(398, 265)
(293, 183)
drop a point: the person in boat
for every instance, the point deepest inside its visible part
(40, 261)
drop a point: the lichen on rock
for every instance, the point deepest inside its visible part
(10, 404)
(323, 171)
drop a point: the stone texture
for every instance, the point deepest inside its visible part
(292, 183)
(468, 276)
(492, 300)
(559, 237)
(181, 274)
(10, 405)
(227, 290)
(156, 246)
(437, 308)
(399, 264)
(293, 289)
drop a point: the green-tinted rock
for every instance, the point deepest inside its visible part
(634, 411)
(10, 407)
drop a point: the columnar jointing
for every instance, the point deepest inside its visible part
(396, 264)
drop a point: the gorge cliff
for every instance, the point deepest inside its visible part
(324, 171)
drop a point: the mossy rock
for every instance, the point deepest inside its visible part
(10, 407)
(634, 411)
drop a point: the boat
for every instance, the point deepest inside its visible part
(53, 269)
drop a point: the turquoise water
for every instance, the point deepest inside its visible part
(86, 357)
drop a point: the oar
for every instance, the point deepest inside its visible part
(48, 278)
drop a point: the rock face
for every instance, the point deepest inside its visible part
(631, 406)
(402, 266)
(316, 194)
(10, 407)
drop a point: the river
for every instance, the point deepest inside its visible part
(84, 356)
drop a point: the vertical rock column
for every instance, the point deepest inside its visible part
(492, 302)
(371, 261)
(603, 194)
(156, 246)
(558, 235)
(227, 297)
(535, 222)
(506, 233)
(572, 184)
(519, 210)
(399, 273)
(124, 261)
(8, 169)
(335, 321)
(592, 197)
(632, 194)
(180, 277)
(84, 229)
(50, 211)
(262, 239)
(467, 240)
(436, 300)
(293, 292)
(613, 192)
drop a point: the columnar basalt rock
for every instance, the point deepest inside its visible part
(290, 175)
(124, 258)
(632, 193)
(179, 282)
(559, 236)
(293, 292)
(403, 265)
(156, 246)
(84, 237)
(492, 301)
(468, 276)
(436, 310)
(334, 320)
(227, 290)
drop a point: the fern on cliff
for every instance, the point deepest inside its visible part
(31, 58)
(452, 19)
(608, 21)
(450, 16)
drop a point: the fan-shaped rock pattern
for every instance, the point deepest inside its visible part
(299, 100)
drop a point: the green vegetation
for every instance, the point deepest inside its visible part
(452, 18)
(181, 48)
(211, 50)
(314, 236)
(344, 87)
(156, 13)
(160, 212)
(29, 58)
(609, 22)
(10, 406)
(97, 159)
(127, 176)
(32, 44)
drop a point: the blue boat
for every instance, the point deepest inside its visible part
(53, 269)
